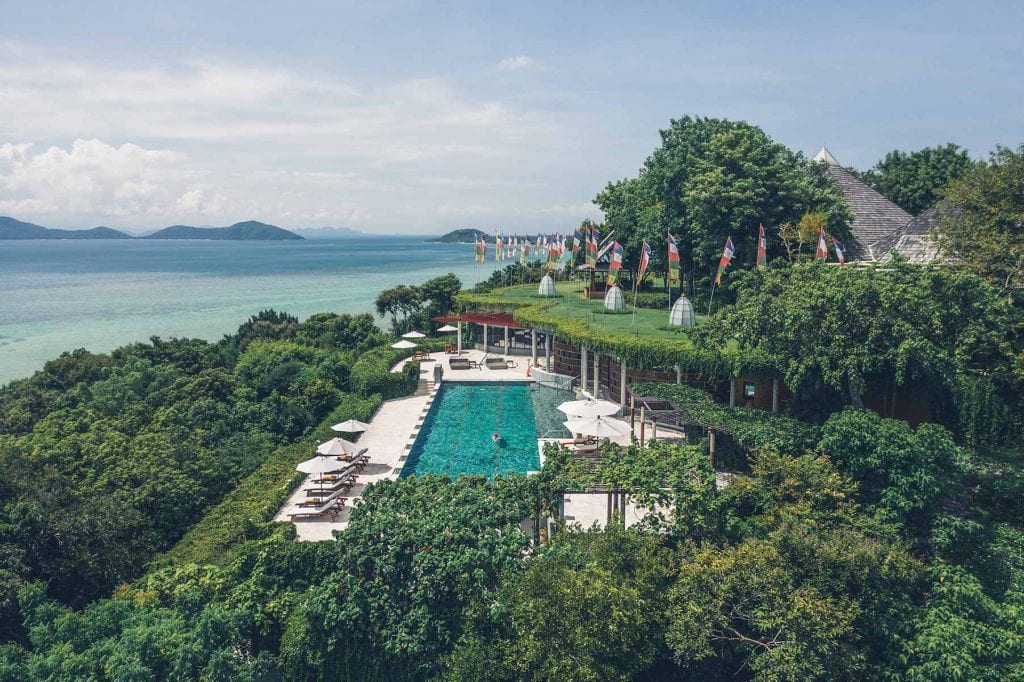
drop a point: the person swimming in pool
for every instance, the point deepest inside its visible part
(496, 438)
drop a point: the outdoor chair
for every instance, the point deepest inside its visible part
(459, 363)
(329, 508)
(450, 349)
(496, 363)
(421, 355)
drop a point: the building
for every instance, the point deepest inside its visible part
(879, 226)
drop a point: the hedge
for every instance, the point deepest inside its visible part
(743, 430)
(371, 374)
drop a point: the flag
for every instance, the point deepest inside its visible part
(576, 241)
(673, 259)
(524, 251)
(481, 249)
(840, 250)
(822, 252)
(595, 240)
(723, 263)
(645, 259)
(762, 249)
(552, 257)
(615, 264)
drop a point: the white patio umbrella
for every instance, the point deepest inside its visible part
(413, 335)
(337, 446)
(350, 426)
(602, 427)
(447, 329)
(589, 408)
(403, 344)
(319, 465)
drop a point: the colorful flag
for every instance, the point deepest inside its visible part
(762, 249)
(524, 251)
(840, 250)
(595, 242)
(822, 252)
(481, 249)
(645, 259)
(723, 263)
(673, 259)
(576, 241)
(552, 258)
(615, 263)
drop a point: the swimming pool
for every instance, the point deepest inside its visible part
(457, 435)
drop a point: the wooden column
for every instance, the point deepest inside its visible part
(622, 383)
(583, 367)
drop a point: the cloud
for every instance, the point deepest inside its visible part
(515, 63)
(209, 140)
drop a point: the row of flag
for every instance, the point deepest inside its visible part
(588, 240)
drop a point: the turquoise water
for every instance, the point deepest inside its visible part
(57, 295)
(457, 435)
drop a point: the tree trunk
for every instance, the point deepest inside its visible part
(856, 393)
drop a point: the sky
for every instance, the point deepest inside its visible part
(423, 117)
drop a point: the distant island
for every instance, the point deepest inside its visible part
(466, 236)
(250, 230)
(11, 228)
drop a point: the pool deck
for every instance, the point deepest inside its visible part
(392, 431)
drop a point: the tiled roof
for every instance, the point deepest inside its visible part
(912, 241)
(874, 216)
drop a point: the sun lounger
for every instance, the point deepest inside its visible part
(496, 363)
(319, 501)
(352, 458)
(459, 363)
(329, 508)
(348, 480)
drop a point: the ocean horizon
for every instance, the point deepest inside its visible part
(59, 295)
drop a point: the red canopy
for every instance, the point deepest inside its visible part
(493, 319)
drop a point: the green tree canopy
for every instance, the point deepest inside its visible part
(713, 178)
(914, 181)
(983, 226)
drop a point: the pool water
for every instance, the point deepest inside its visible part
(457, 434)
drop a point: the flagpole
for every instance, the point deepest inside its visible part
(635, 282)
(711, 298)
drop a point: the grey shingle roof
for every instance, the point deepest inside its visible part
(874, 216)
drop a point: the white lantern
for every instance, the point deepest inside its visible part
(547, 286)
(613, 299)
(682, 314)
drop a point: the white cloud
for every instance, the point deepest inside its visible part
(515, 63)
(210, 141)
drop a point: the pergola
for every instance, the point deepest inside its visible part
(487, 319)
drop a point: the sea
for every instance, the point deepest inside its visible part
(59, 295)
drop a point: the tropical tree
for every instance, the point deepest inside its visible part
(914, 181)
(713, 178)
(982, 228)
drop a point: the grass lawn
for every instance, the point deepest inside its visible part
(569, 303)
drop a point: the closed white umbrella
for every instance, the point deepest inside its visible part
(350, 426)
(447, 328)
(403, 344)
(602, 427)
(319, 465)
(589, 408)
(413, 335)
(336, 447)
